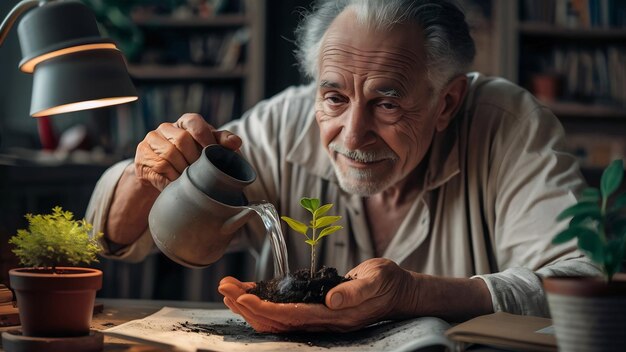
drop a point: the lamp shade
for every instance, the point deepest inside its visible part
(74, 67)
(55, 28)
(79, 81)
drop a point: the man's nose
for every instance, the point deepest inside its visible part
(357, 127)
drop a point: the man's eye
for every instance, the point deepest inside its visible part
(387, 106)
(334, 99)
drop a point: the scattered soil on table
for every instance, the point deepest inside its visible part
(239, 331)
(299, 287)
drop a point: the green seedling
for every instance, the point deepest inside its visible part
(319, 222)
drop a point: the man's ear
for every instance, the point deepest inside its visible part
(451, 98)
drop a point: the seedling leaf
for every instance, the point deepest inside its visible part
(325, 221)
(329, 230)
(295, 225)
(322, 210)
(310, 204)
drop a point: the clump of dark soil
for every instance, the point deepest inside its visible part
(299, 287)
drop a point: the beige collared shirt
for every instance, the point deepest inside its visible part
(495, 182)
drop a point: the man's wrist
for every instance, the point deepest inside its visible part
(453, 299)
(128, 214)
(411, 302)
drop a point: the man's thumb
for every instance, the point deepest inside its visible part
(348, 294)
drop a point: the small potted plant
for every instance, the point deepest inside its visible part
(589, 314)
(305, 285)
(55, 298)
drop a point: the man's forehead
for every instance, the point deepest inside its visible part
(405, 39)
(389, 72)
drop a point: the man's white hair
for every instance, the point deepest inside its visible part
(449, 47)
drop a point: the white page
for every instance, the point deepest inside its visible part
(222, 330)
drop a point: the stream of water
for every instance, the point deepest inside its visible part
(271, 220)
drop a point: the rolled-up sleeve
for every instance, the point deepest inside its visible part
(520, 290)
(97, 213)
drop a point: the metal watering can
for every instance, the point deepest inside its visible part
(207, 200)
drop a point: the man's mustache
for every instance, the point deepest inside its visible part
(363, 156)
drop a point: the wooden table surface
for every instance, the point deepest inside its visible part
(118, 311)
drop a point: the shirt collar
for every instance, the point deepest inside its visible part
(443, 161)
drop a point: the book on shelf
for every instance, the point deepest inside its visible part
(576, 13)
(162, 103)
(203, 49)
(590, 75)
(595, 150)
(234, 49)
(6, 295)
(9, 315)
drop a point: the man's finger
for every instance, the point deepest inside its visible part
(227, 139)
(145, 156)
(260, 322)
(231, 280)
(294, 314)
(182, 140)
(152, 178)
(350, 294)
(166, 150)
(230, 290)
(290, 317)
(248, 316)
(198, 128)
(227, 279)
(231, 305)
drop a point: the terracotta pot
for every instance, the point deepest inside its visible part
(588, 314)
(55, 304)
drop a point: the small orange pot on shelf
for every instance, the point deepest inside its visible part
(547, 86)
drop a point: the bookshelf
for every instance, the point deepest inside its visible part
(192, 59)
(572, 55)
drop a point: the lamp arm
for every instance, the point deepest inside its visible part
(18, 10)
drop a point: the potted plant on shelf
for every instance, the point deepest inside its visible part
(589, 314)
(55, 298)
(305, 285)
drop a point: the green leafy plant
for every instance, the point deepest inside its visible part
(598, 221)
(319, 222)
(55, 239)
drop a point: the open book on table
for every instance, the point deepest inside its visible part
(222, 330)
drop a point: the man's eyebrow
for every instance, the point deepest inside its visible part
(329, 84)
(389, 92)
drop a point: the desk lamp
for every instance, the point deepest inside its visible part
(74, 68)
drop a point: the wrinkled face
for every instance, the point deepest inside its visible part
(374, 106)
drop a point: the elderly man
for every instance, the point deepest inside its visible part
(448, 182)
